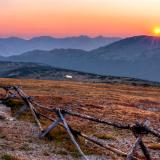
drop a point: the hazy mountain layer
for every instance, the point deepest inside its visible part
(15, 46)
(131, 57)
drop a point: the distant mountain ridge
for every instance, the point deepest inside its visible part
(129, 48)
(15, 46)
(137, 57)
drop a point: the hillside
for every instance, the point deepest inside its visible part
(24, 70)
(113, 102)
(130, 49)
(136, 57)
(15, 46)
(40, 71)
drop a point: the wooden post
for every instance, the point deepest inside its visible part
(7, 93)
(139, 130)
(53, 125)
(71, 135)
(145, 150)
(35, 116)
(131, 153)
(25, 99)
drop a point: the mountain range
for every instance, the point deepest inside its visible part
(15, 46)
(137, 56)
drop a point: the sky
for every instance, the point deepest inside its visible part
(61, 18)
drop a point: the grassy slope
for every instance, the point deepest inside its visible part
(114, 102)
(123, 99)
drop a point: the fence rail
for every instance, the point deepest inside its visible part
(138, 129)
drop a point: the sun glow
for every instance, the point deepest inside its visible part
(156, 31)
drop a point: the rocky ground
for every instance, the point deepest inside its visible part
(19, 141)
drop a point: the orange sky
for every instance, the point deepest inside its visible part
(27, 18)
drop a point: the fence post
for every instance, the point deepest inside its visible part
(131, 153)
(53, 125)
(71, 135)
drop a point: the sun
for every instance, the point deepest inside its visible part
(156, 31)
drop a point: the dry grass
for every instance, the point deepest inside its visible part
(155, 146)
(118, 102)
(105, 136)
(115, 102)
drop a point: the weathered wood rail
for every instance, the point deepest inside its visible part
(138, 129)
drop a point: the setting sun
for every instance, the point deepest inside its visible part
(157, 31)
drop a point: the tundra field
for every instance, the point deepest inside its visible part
(122, 103)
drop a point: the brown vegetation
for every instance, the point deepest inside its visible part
(115, 102)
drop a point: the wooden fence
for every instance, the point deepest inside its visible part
(138, 129)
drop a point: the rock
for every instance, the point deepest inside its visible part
(2, 116)
(5, 112)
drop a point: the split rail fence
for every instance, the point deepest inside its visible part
(138, 129)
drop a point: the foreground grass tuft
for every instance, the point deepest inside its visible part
(105, 136)
(154, 146)
(9, 157)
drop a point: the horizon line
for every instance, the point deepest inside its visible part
(72, 36)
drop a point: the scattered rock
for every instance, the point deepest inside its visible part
(2, 116)
(5, 112)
